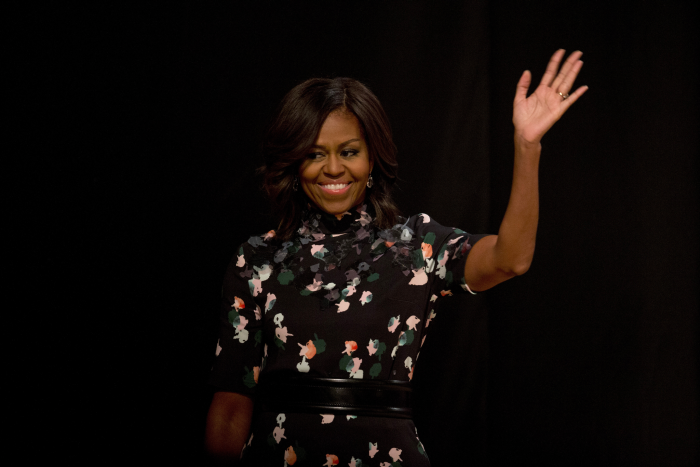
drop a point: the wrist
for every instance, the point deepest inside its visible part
(525, 144)
(527, 151)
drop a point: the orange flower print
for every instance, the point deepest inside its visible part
(308, 350)
(256, 373)
(446, 292)
(331, 459)
(389, 244)
(427, 250)
(238, 303)
(269, 235)
(290, 457)
(350, 347)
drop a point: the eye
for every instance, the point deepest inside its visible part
(350, 152)
(315, 155)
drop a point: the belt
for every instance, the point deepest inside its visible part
(280, 393)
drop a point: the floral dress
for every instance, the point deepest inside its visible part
(342, 299)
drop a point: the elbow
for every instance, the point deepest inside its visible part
(519, 269)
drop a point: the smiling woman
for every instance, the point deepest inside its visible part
(323, 319)
(313, 121)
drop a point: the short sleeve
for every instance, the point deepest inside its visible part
(444, 251)
(239, 351)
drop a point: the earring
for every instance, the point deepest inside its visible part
(295, 185)
(370, 182)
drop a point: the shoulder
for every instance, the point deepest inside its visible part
(424, 225)
(431, 235)
(255, 250)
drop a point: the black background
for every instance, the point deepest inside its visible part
(139, 129)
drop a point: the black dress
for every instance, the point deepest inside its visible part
(342, 299)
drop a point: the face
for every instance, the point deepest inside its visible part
(335, 173)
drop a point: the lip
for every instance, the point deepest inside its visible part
(334, 192)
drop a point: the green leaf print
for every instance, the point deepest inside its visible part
(429, 238)
(375, 370)
(417, 259)
(249, 378)
(448, 279)
(381, 348)
(409, 336)
(305, 292)
(373, 277)
(285, 277)
(320, 344)
(233, 317)
(343, 365)
(279, 343)
(258, 337)
(299, 451)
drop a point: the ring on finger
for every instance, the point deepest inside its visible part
(563, 96)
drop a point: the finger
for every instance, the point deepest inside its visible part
(565, 69)
(569, 101)
(552, 68)
(522, 86)
(568, 82)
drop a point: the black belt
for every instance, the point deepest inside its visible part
(334, 395)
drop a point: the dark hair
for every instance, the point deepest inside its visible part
(294, 130)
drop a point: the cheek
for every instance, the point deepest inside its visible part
(306, 174)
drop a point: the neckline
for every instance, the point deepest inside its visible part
(319, 224)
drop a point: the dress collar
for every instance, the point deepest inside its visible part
(317, 224)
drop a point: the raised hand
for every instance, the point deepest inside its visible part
(533, 116)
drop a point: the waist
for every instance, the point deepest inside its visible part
(287, 393)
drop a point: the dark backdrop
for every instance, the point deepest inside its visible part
(148, 122)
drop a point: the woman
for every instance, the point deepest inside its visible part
(323, 319)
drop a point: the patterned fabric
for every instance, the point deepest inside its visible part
(342, 299)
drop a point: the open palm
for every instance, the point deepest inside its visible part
(534, 115)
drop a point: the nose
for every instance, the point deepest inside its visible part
(334, 167)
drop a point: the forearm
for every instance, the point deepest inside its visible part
(228, 426)
(515, 245)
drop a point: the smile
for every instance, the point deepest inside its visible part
(335, 188)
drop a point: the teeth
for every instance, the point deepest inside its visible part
(337, 186)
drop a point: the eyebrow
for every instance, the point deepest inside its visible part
(342, 145)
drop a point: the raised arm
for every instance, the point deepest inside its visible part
(497, 258)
